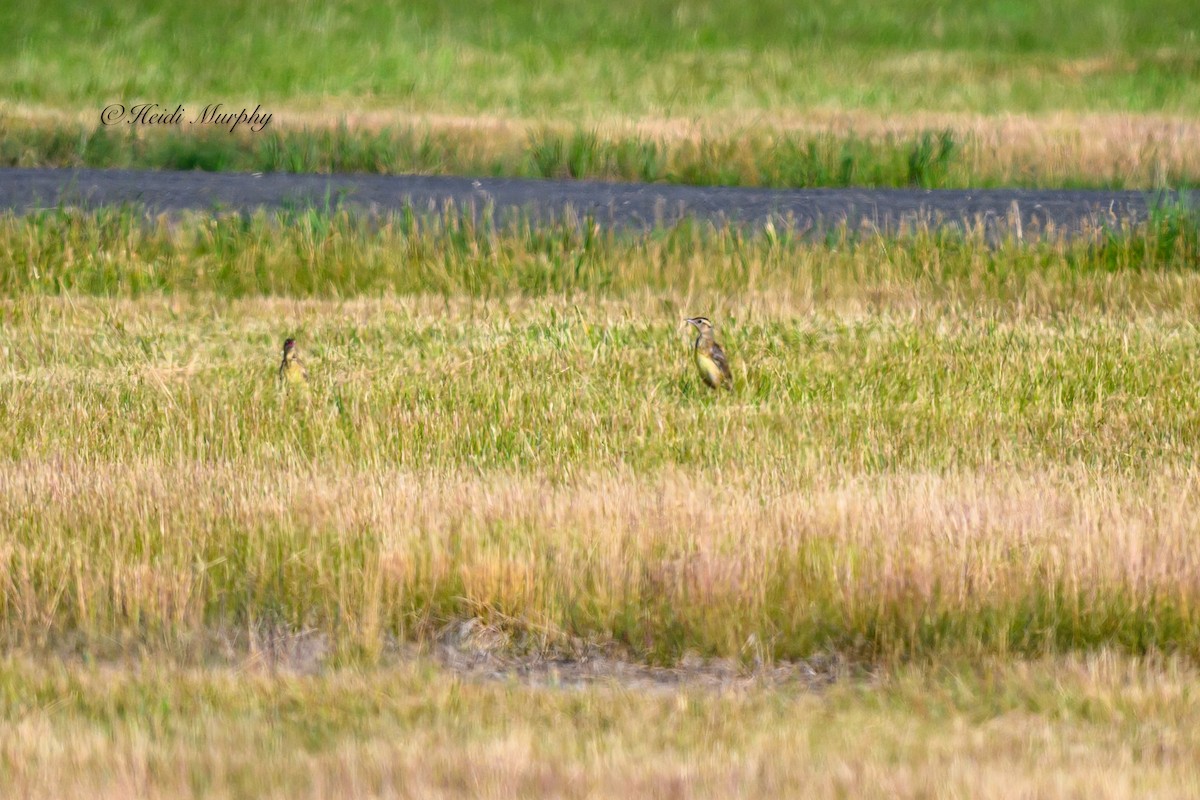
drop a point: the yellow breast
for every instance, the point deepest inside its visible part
(294, 372)
(709, 369)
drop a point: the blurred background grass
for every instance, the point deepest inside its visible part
(564, 59)
(774, 94)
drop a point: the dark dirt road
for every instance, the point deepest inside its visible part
(610, 204)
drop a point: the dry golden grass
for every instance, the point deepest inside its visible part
(114, 549)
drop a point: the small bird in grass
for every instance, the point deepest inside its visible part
(710, 358)
(291, 371)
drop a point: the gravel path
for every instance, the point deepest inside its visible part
(618, 204)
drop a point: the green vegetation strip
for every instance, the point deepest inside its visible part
(124, 252)
(931, 160)
(566, 60)
(941, 159)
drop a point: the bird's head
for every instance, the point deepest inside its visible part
(701, 324)
(289, 347)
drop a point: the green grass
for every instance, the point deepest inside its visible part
(570, 60)
(938, 159)
(335, 253)
(928, 160)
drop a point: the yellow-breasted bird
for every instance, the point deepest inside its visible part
(291, 371)
(710, 358)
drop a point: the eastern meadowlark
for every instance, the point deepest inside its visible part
(291, 371)
(710, 358)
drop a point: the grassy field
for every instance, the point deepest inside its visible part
(937, 542)
(932, 393)
(923, 94)
(954, 484)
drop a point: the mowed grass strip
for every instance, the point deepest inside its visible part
(567, 387)
(1101, 726)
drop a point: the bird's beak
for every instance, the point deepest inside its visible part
(692, 322)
